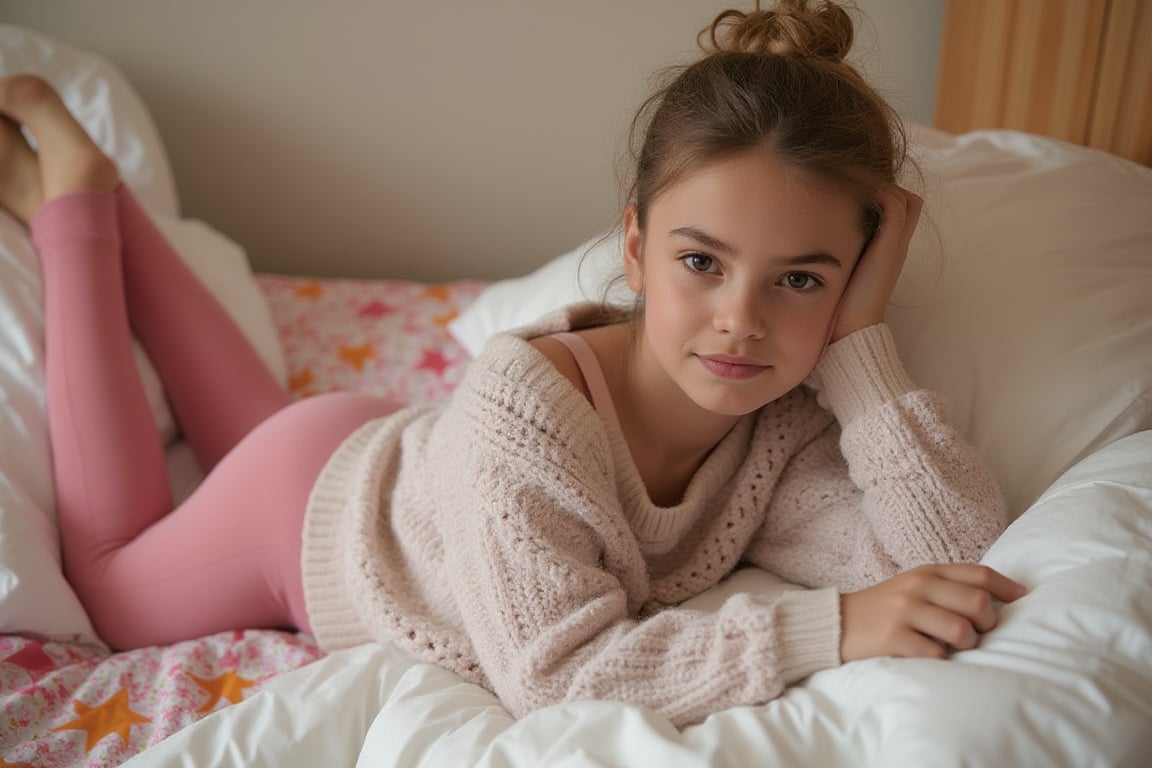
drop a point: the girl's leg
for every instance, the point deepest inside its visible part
(111, 479)
(229, 557)
(218, 385)
(109, 468)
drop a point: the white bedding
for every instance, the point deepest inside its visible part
(1065, 680)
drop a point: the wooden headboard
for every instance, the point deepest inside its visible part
(1078, 70)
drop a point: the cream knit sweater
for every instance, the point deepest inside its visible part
(507, 536)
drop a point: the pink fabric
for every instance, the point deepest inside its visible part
(593, 374)
(229, 556)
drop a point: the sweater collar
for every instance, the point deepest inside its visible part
(659, 529)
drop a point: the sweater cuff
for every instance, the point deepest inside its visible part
(807, 632)
(328, 600)
(861, 372)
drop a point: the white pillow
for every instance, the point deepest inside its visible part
(34, 597)
(583, 274)
(1027, 299)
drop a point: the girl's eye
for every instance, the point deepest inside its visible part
(801, 281)
(699, 262)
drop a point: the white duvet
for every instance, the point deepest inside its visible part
(1065, 680)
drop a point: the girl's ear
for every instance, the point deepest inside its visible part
(633, 250)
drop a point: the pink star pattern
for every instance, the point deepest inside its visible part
(376, 308)
(433, 360)
(32, 659)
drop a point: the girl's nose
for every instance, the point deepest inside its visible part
(741, 314)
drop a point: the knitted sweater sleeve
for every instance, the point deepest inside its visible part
(894, 487)
(549, 586)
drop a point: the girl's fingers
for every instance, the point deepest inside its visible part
(916, 645)
(988, 579)
(945, 626)
(900, 213)
(875, 275)
(974, 604)
(922, 610)
(955, 603)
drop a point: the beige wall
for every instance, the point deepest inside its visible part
(411, 139)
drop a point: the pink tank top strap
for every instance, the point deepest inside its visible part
(593, 374)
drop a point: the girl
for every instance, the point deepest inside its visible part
(536, 533)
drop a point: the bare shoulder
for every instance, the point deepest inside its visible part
(561, 358)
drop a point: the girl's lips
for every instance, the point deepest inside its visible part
(731, 367)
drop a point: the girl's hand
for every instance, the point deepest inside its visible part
(924, 611)
(866, 296)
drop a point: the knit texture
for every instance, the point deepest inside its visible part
(507, 535)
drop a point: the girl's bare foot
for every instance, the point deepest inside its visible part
(20, 192)
(69, 160)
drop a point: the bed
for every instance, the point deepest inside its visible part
(1027, 301)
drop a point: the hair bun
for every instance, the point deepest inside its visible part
(789, 28)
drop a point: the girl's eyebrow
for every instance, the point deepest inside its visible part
(706, 240)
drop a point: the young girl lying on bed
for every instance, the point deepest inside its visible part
(535, 533)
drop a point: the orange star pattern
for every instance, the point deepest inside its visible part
(440, 292)
(113, 716)
(310, 290)
(443, 320)
(357, 356)
(301, 381)
(228, 686)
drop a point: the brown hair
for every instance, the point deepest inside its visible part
(775, 79)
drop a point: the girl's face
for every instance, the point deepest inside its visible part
(742, 265)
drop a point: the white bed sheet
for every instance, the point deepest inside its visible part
(1065, 680)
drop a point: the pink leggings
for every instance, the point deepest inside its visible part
(229, 556)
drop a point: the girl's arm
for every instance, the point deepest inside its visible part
(915, 493)
(926, 497)
(894, 486)
(893, 489)
(551, 624)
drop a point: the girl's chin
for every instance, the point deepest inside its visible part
(732, 407)
(735, 400)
